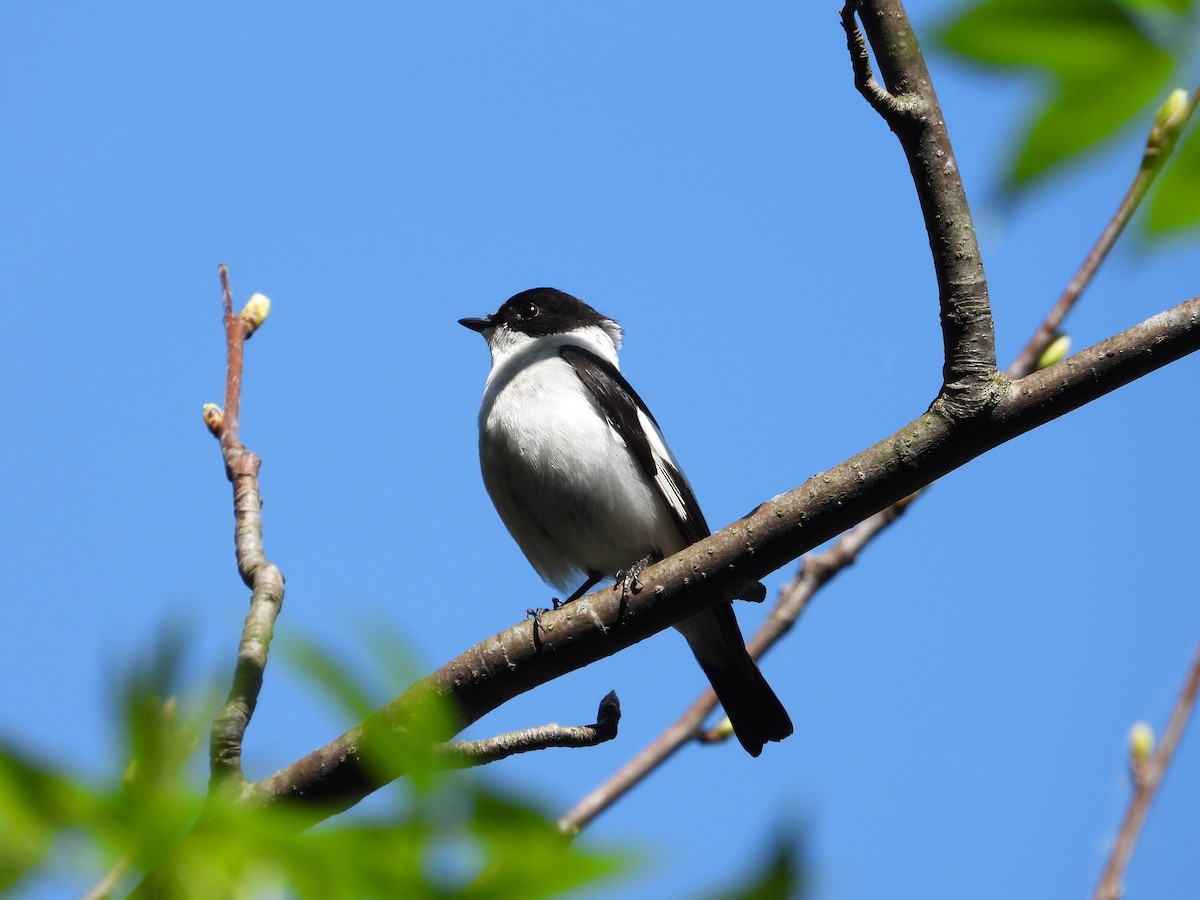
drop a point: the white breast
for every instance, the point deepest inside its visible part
(562, 479)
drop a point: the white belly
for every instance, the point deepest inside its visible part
(562, 479)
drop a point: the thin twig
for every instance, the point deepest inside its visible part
(466, 754)
(815, 570)
(1146, 785)
(264, 578)
(235, 342)
(889, 107)
(1154, 157)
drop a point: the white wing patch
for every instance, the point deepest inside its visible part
(667, 474)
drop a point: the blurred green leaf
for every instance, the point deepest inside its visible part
(461, 841)
(1087, 109)
(782, 875)
(527, 858)
(36, 804)
(429, 719)
(1175, 202)
(1103, 68)
(330, 676)
(1152, 6)
(1063, 36)
(449, 838)
(157, 800)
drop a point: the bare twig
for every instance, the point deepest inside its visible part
(1146, 784)
(1160, 143)
(465, 754)
(815, 571)
(262, 577)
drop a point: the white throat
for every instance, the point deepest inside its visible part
(511, 349)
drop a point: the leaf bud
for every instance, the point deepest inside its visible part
(255, 312)
(1055, 351)
(213, 418)
(1169, 123)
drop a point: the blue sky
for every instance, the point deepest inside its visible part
(706, 175)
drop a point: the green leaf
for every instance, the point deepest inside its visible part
(1087, 108)
(333, 678)
(1103, 70)
(1056, 36)
(36, 805)
(1157, 6)
(527, 858)
(463, 840)
(1175, 201)
(428, 718)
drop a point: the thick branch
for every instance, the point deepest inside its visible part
(817, 569)
(909, 104)
(780, 530)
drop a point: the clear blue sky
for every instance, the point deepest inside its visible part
(705, 174)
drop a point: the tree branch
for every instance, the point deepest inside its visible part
(1146, 785)
(495, 670)
(1160, 144)
(511, 662)
(262, 577)
(816, 570)
(910, 107)
(466, 754)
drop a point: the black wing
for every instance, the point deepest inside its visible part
(627, 413)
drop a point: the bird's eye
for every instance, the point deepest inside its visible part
(527, 311)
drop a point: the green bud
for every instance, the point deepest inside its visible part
(1169, 112)
(1141, 743)
(1055, 351)
(1169, 122)
(257, 308)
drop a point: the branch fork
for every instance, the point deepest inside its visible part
(977, 408)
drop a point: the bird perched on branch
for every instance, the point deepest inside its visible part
(585, 483)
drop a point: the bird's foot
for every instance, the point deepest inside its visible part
(629, 582)
(538, 627)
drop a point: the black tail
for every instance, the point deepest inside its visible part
(754, 711)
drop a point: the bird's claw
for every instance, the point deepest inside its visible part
(536, 615)
(629, 582)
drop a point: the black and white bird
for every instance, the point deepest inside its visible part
(585, 483)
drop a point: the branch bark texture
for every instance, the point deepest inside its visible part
(978, 409)
(908, 103)
(780, 530)
(262, 577)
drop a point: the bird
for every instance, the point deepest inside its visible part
(582, 478)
